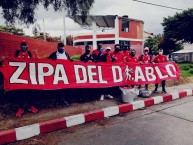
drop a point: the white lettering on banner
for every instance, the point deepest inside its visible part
(120, 76)
(88, 74)
(159, 73)
(139, 74)
(32, 74)
(42, 74)
(77, 75)
(150, 74)
(60, 70)
(100, 76)
(15, 76)
(168, 68)
(91, 74)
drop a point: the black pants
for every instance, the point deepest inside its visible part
(24, 96)
(163, 85)
(146, 86)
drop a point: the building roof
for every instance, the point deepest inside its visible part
(101, 21)
(183, 51)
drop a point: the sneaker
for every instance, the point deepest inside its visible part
(102, 97)
(66, 103)
(155, 91)
(33, 109)
(164, 91)
(19, 112)
(109, 96)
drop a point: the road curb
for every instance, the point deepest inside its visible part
(29, 131)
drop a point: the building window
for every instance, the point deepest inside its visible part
(107, 42)
(125, 25)
(83, 43)
(123, 42)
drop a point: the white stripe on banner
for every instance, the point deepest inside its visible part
(189, 92)
(27, 131)
(74, 120)
(111, 111)
(138, 104)
(175, 95)
(158, 99)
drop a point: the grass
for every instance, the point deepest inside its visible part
(186, 69)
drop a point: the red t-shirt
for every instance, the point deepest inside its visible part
(96, 52)
(145, 59)
(118, 56)
(109, 59)
(126, 53)
(23, 55)
(160, 59)
(132, 59)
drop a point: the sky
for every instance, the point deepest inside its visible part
(151, 15)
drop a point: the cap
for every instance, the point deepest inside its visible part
(60, 44)
(146, 48)
(108, 48)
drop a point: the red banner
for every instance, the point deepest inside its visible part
(46, 74)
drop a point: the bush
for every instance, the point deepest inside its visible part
(191, 71)
(185, 67)
(190, 66)
(75, 57)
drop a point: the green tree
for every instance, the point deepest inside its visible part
(12, 30)
(153, 42)
(158, 41)
(179, 26)
(24, 10)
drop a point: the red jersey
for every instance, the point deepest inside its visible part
(160, 59)
(118, 56)
(132, 59)
(21, 54)
(126, 53)
(96, 52)
(145, 59)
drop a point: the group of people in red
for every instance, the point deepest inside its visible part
(100, 54)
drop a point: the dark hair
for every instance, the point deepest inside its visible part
(60, 44)
(87, 46)
(23, 44)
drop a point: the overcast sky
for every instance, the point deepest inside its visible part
(151, 15)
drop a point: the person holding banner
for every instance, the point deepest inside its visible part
(160, 58)
(132, 58)
(60, 54)
(87, 56)
(145, 58)
(98, 53)
(126, 51)
(24, 53)
(107, 57)
(117, 55)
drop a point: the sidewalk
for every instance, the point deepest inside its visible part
(86, 113)
(9, 121)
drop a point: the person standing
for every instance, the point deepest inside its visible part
(160, 58)
(117, 55)
(132, 58)
(97, 53)
(107, 57)
(145, 58)
(24, 53)
(60, 54)
(87, 56)
(126, 51)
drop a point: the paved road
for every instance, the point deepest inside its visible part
(165, 124)
(168, 124)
